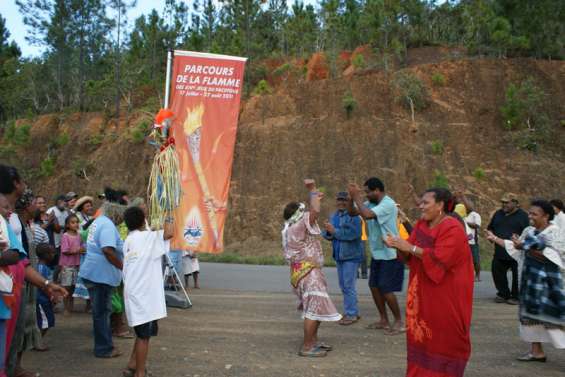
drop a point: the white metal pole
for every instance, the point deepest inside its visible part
(168, 79)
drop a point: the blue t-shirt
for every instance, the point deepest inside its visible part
(379, 227)
(96, 268)
(5, 312)
(47, 273)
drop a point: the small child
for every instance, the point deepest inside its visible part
(190, 266)
(144, 293)
(45, 316)
(71, 249)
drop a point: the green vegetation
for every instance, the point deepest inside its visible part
(96, 140)
(525, 115)
(47, 167)
(438, 79)
(262, 88)
(111, 62)
(349, 103)
(62, 139)
(138, 133)
(437, 147)
(411, 91)
(479, 174)
(440, 180)
(358, 61)
(282, 69)
(17, 135)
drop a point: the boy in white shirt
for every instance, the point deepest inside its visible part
(144, 294)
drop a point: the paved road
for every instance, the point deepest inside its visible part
(274, 279)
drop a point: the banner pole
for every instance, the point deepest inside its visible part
(168, 78)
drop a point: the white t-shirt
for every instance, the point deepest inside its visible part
(61, 217)
(144, 292)
(472, 218)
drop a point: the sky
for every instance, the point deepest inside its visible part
(18, 31)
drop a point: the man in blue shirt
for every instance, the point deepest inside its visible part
(345, 233)
(101, 272)
(387, 273)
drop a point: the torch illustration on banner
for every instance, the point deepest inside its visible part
(193, 131)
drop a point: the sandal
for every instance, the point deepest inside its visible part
(530, 357)
(377, 326)
(124, 335)
(324, 346)
(315, 351)
(26, 373)
(393, 332)
(115, 353)
(346, 321)
(128, 372)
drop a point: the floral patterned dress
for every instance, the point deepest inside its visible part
(304, 252)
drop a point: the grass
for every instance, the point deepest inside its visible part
(349, 103)
(438, 79)
(479, 173)
(437, 147)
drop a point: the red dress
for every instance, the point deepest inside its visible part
(439, 301)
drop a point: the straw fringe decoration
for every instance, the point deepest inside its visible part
(164, 190)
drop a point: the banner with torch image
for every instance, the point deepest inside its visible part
(205, 97)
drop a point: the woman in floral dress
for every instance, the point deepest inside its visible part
(303, 251)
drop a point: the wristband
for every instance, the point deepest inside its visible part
(414, 249)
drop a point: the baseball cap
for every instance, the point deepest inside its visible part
(71, 195)
(342, 195)
(509, 197)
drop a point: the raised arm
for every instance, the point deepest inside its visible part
(362, 210)
(314, 199)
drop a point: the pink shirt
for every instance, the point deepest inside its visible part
(70, 247)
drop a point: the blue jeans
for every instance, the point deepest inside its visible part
(347, 274)
(101, 299)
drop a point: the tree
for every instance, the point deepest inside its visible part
(121, 8)
(302, 29)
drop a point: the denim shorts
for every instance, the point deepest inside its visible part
(387, 275)
(146, 330)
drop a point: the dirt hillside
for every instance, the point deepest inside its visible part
(302, 130)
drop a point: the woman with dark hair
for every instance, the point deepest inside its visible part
(302, 249)
(540, 252)
(439, 302)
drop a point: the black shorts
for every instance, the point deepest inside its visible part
(387, 275)
(146, 330)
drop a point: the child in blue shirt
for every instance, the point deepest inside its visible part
(45, 315)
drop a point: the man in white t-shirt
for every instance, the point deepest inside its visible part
(144, 293)
(473, 221)
(61, 213)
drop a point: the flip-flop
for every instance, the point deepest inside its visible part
(128, 372)
(315, 351)
(124, 335)
(530, 357)
(346, 321)
(393, 332)
(376, 326)
(324, 346)
(115, 353)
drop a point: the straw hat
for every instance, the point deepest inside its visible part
(82, 201)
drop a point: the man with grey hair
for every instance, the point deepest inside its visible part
(101, 272)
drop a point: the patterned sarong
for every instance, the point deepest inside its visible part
(299, 270)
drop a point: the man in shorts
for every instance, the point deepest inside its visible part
(386, 272)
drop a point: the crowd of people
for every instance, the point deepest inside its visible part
(111, 259)
(106, 257)
(441, 251)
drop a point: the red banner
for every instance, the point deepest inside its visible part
(206, 91)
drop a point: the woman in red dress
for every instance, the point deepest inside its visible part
(440, 291)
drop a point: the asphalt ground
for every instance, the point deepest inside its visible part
(244, 323)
